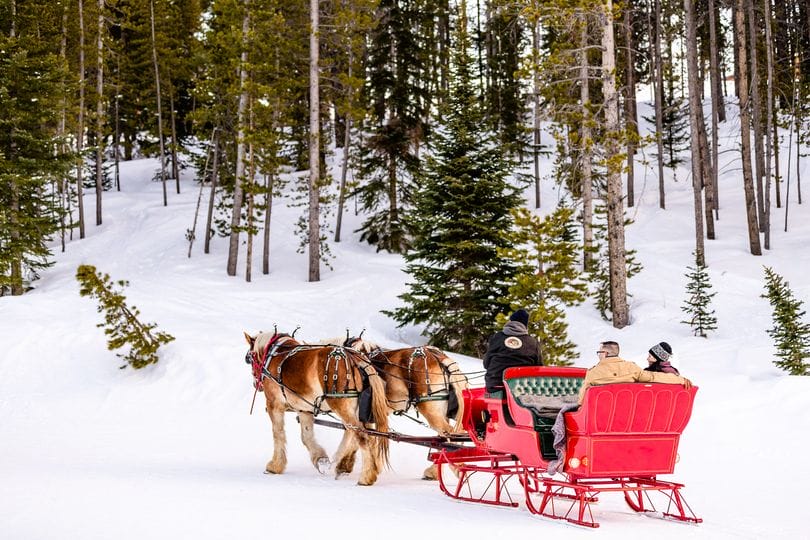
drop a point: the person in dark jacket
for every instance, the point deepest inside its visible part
(511, 347)
(659, 359)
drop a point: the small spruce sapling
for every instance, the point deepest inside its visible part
(791, 335)
(698, 302)
(121, 324)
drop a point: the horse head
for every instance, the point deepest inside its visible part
(260, 346)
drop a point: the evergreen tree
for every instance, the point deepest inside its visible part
(32, 157)
(121, 323)
(545, 253)
(460, 211)
(790, 334)
(697, 304)
(505, 106)
(399, 101)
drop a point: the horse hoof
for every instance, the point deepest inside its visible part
(323, 464)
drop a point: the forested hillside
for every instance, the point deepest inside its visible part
(403, 110)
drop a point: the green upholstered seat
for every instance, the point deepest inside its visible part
(544, 396)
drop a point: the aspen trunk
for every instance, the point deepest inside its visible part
(314, 145)
(694, 128)
(159, 108)
(238, 192)
(615, 206)
(745, 130)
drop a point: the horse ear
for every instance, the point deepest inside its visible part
(250, 340)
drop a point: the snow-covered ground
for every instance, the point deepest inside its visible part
(88, 451)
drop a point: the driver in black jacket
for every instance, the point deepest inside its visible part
(511, 347)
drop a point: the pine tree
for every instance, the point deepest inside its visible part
(545, 252)
(121, 324)
(460, 211)
(32, 157)
(790, 334)
(697, 303)
(398, 100)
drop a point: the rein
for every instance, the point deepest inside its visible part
(261, 371)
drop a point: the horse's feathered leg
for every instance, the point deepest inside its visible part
(346, 454)
(275, 408)
(317, 454)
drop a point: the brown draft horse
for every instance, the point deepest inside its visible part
(312, 379)
(421, 377)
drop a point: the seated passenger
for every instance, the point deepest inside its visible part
(511, 347)
(659, 359)
(612, 369)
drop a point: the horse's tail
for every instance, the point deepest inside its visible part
(379, 409)
(458, 383)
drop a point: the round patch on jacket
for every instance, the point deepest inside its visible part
(513, 342)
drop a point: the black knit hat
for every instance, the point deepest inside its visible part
(661, 352)
(521, 316)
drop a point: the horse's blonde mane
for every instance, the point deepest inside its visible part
(362, 345)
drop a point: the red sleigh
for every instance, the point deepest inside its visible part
(620, 440)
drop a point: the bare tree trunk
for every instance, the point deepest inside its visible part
(745, 130)
(717, 102)
(250, 198)
(210, 217)
(707, 171)
(175, 165)
(314, 145)
(769, 143)
(80, 135)
(193, 233)
(585, 140)
(536, 108)
(238, 192)
(64, 195)
(756, 113)
(694, 113)
(100, 111)
(159, 108)
(630, 104)
(658, 87)
(345, 168)
(615, 207)
(117, 129)
(269, 181)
